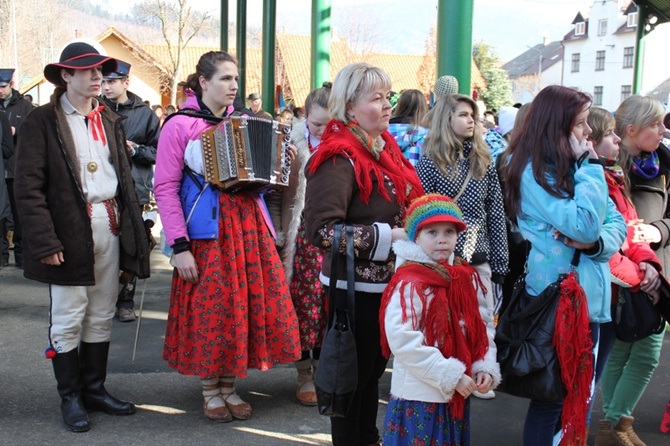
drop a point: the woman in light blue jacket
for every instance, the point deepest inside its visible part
(557, 191)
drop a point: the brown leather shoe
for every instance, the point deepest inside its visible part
(305, 393)
(240, 411)
(220, 414)
(306, 397)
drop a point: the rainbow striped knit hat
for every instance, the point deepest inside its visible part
(432, 208)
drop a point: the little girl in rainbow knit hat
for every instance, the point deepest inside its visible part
(433, 319)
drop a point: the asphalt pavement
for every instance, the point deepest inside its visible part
(170, 404)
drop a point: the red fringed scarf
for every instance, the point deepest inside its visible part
(338, 139)
(574, 348)
(455, 299)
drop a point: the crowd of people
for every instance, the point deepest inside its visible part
(431, 194)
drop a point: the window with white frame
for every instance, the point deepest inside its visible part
(628, 56)
(626, 91)
(602, 27)
(632, 19)
(580, 28)
(575, 63)
(598, 96)
(600, 60)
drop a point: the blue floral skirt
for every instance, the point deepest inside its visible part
(415, 423)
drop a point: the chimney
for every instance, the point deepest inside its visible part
(78, 33)
(545, 40)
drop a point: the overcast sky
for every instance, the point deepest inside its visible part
(508, 25)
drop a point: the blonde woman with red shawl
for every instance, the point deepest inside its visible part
(359, 177)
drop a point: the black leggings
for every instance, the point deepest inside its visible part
(315, 354)
(359, 427)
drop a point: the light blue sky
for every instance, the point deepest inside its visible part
(508, 25)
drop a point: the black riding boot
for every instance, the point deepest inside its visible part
(66, 370)
(93, 374)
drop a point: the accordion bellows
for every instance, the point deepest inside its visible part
(243, 152)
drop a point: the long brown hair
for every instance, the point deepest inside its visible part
(411, 107)
(599, 120)
(443, 147)
(544, 141)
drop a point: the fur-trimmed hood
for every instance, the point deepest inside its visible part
(286, 206)
(406, 250)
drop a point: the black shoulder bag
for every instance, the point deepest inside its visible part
(337, 376)
(524, 337)
(635, 317)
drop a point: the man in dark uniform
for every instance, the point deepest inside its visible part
(142, 128)
(16, 107)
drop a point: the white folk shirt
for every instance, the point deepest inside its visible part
(102, 183)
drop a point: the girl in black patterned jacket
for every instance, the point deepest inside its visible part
(457, 163)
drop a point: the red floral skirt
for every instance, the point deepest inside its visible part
(309, 299)
(240, 314)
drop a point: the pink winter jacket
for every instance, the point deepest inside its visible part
(179, 144)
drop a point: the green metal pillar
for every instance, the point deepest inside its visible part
(454, 41)
(269, 47)
(321, 13)
(241, 51)
(224, 25)
(640, 33)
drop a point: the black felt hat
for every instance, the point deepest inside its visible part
(78, 56)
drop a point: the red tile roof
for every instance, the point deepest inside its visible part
(293, 63)
(294, 59)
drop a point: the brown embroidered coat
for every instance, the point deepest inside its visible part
(333, 197)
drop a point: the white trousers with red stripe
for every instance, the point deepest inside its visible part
(85, 313)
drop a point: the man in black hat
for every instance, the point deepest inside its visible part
(16, 107)
(77, 202)
(255, 104)
(142, 129)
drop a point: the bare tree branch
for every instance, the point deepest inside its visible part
(362, 31)
(179, 23)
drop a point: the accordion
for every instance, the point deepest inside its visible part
(243, 152)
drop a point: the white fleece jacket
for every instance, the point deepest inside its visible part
(420, 371)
